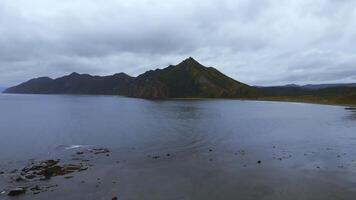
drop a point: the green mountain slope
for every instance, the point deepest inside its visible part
(189, 79)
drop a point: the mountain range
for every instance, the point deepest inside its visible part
(318, 86)
(188, 79)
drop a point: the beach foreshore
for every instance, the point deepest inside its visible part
(211, 173)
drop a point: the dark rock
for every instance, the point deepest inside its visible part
(30, 176)
(17, 191)
(19, 179)
(156, 157)
(259, 162)
(168, 154)
(100, 151)
(210, 150)
(46, 169)
(350, 108)
(114, 198)
(82, 169)
(36, 188)
(2, 172)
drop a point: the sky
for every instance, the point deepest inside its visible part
(259, 42)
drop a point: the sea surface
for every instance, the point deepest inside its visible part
(185, 149)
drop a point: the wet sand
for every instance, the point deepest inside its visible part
(276, 172)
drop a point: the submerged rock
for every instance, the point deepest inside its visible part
(50, 168)
(19, 179)
(35, 188)
(17, 191)
(30, 176)
(100, 151)
(350, 108)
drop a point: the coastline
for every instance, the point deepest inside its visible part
(312, 100)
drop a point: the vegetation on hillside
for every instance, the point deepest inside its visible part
(188, 79)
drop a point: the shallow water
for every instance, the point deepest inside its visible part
(306, 151)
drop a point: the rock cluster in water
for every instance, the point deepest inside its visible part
(30, 178)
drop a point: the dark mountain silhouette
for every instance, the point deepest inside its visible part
(76, 84)
(189, 79)
(330, 95)
(317, 86)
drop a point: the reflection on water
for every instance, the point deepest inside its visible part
(218, 149)
(352, 115)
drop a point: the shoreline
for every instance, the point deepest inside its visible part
(267, 99)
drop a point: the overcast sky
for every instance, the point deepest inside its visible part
(259, 42)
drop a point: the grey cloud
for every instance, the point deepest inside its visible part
(255, 41)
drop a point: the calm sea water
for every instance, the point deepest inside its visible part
(305, 150)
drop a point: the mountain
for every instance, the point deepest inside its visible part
(189, 79)
(76, 84)
(315, 86)
(329, 95)
(308, 90)
(323, 86)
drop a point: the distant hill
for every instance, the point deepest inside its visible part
(319, 94)
(320, 86)
(75, 84)
(189, 79)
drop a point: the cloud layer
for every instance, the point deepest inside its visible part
(262, 42)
